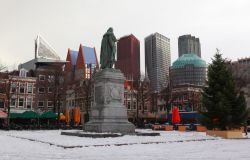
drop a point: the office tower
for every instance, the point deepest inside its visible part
(157, 60)
(128, 57)
(188, 44)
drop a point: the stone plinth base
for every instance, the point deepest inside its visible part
(91, 135)
(108, 114)
(100, 127)
(105, 135)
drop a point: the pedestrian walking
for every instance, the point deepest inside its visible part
(245, 129)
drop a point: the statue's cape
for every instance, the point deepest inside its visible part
(108, 49)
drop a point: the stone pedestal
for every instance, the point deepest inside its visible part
(108, 114)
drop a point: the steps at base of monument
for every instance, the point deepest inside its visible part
(104, 135)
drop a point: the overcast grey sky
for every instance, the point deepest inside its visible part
(223, 24)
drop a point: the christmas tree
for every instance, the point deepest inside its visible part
(223, 107)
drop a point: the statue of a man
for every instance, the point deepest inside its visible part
(108, 49)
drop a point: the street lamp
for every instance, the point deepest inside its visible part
(155, 104)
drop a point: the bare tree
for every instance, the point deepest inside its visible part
(241, 77)
(87, 95)
(86, 91)
(2, 67)
(52, 84)
(7, 79)
(143, 94)
(56, 81)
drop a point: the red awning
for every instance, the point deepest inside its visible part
(3, 114)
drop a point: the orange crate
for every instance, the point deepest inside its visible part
(156, 127)
(168, 128)
(182, 128)
(201, 128)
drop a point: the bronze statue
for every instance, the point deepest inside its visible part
(108, 49)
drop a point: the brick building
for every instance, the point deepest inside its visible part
(50, 85)
(241, 73)
(19, 90)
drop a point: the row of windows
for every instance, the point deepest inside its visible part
(132, 106)
(21, 102)
(51, 78)
(42, 90)
(21, 88)
(70, 103)
(41, 104)
(129, 105)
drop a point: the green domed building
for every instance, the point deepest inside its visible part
(188, 69)
(187, 78)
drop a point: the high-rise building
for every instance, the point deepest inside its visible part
(157, 60)
(128, 57)
(188, 44)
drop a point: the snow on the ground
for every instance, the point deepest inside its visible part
(55, 137)
(14, 148)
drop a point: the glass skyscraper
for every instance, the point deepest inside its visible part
(188, 44)
(157, 60)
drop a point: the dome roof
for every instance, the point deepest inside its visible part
(187, 59)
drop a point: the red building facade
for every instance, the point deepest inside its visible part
(128, 57)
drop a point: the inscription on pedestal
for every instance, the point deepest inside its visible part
(108, 113)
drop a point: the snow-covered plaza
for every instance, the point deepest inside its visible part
(50, 144)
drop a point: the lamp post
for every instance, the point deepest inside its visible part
(8, 118)
(137, 101)
(155, 104)
(8, 96)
